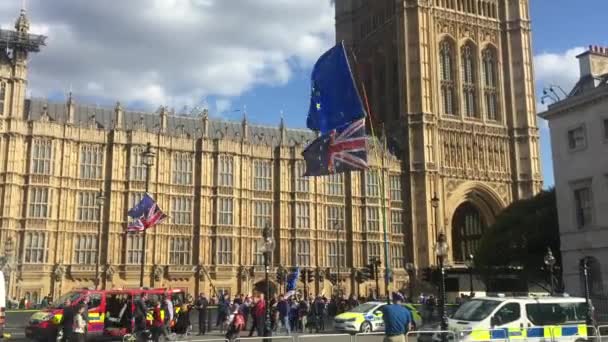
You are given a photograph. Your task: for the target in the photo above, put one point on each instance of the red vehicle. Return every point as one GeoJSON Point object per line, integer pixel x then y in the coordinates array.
{"type": "Point", "coordinates": [45, 324]}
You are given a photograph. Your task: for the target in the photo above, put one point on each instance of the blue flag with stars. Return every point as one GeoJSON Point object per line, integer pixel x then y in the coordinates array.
{"type": "Point", "coordinates": [334, 101]}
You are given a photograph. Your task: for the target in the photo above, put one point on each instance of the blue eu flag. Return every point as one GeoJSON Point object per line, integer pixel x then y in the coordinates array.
{"type": "Point", "coordinates": [334, 100]}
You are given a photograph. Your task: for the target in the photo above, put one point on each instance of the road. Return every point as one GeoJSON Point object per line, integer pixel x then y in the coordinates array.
{"type": "Point", "coordinates": [17, 320]}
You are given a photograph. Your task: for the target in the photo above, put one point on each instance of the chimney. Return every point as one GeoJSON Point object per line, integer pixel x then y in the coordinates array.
{"type": "Point", "coordinates": [593, 62]}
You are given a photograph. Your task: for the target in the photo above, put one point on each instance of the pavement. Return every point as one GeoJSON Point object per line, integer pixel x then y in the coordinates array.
{"type": "Point", "coordinates": [17, 320]}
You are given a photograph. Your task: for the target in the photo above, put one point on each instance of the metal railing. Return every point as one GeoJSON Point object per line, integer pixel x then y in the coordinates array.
{"type": "Point", "coordinates": [346, 337]}
{"type": "Point", "coordinates": [265, 338]}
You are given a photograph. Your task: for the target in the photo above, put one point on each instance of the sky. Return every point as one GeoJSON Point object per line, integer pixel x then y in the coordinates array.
{"type": "Point", "coordinates": [239, 56]}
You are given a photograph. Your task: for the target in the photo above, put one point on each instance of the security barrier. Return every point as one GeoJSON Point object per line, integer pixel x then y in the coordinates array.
{"type": "Point", "coordinates": [571, 332]}
{"type": "Point", "coordinates": [266, 338]}
{"type": "Point", "coordinates": [210, 340]}
{"type": "Point", "coordinates": [333, 337]}
{"type": "Point", "coordinates": [602, 333]}
{"type": "Point", "coordinates": [430, 335]}
{"type": "Point", "coordinates": [369, 337]}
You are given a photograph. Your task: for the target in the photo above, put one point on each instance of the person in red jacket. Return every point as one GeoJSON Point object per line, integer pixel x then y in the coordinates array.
{"type": "Point", "coordinates": [157, 321]}
{"type": "Point", "coordinates": [259, 314]}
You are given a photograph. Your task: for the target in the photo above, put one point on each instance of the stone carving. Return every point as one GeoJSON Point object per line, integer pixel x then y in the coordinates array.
{"type": "Point", "coordinates": [109, 271]}
{"type": "Point", "coordinates": [58, 272]}
{"type": "Point", "coordinates": [158, 272]}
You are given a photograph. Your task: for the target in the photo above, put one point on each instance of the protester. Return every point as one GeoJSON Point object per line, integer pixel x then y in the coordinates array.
{"type": "Point", "coordinates": [80, 325]}
{"type": "Point", "coordinates": [397, 321]}
{"type": "Point", "coordinates": [182, 325]}
{"type": "Point", "coordinates": [67, 321]}
{"type": "Point", "coordinates": [283, 309]}
{"type": "Point", "coordinates": [157, 322]}
{"type": "Point", "coordinates": [202, 305]}
{"type": "Point", "coordinates": [259, 313]}
{"type": "Point", "coordinates": [140, 314]}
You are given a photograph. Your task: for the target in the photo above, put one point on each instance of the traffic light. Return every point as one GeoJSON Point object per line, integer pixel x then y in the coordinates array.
{"type": "Point", "coordinates": [333, 279]}
{"type": "Point", "coordinates": [427, 274]}
{"type": "Point", "coordinates": [367, 273]}
{"type": "Point", "coordinates": [360, 277]}
{"type": "Point", "coordinates": [371, 270]}
{"type": "Point", "coordinates": [303, 275]}
{"type": "Point", "coordinates": [310, 276]}
{"type": "Point", "coordinates": [280, 277]}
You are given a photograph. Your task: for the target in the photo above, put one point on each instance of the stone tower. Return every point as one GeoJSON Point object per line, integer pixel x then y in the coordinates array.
{"type": "Point", "coordinates": [452, 81]}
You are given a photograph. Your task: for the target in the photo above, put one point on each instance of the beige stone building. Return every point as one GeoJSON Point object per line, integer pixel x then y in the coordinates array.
{"type": "Point", "coordinates": [450, 79]}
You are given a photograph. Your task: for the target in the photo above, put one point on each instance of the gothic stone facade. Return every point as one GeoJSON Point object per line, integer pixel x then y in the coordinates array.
{"type": "Point", "coordinates": [219, 182]}
{"type": "Point", "coordinates": [452, 83]}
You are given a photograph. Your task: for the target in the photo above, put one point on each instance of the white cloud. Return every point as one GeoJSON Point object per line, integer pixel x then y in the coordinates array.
{"type": "Point", "coordinates": [172, 51]}
{"type": "Point", "coordinates": [222, 105]}
{"type": "Point", "coordinates": [559, 69]}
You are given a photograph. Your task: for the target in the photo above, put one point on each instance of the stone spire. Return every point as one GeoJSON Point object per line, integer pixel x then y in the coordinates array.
{"type": "Point", "coordinates": [22, 25]}
{"type": "Point", "coordinates": [283, 129]}
{"type": "Point", "coordinates": [118, 116]}
{"type": "Point", "coordinates": [245, 127]}
{"type": "Point", "coordinates": [163, 118]}
{"type": "Point", "coordinates": [70, 109]}
{"type": "Point", "coordinates": [205, 118]}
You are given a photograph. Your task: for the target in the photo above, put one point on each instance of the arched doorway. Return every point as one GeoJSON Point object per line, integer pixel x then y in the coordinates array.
{"type": "Point", "coordinates": [261, 287]}
{"type": "Point", "coordinates": [468, 227]}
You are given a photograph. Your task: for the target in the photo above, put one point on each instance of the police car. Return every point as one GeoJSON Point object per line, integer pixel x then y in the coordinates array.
{"type": "Point", "coordinates": [503, 318]}
{"type": "Point", "coordinates": [367, 317]}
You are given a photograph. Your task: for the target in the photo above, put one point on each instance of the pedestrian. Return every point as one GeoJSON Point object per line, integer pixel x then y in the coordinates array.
{"type": "Point", "coordinates": [259, 313]}
{"type": "Point", "coordinates": [79, 325]}
{"type": "Point", "coordinates": [167, 306]}
{"type": "Point", "coordinates": [254, 302]}
{"type": "Point", "coordinates": [318, 307]}
{"type": "Point", "coordinates": [222, 311]}
{"type": "Point", "coordinates": [202, 305]}
{"type": "Point", "coordinates": [283, 309]}
{"type": "Point", "coordinates": [397, 321]}
{"type": "Point", "coordinates": [67, 321]}
{"type": "Point", "coordinates": [157, 321]}
{"type": "Point", "coordinates": [140, 315]}
{"type": "Point", "coordinates": [182, 324]}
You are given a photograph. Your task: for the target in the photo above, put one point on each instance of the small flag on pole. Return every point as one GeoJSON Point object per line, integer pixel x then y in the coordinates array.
{"type": "Point", "coordinates": [292, 280]}
{"type": "Point", "coordinates": [146, 214]}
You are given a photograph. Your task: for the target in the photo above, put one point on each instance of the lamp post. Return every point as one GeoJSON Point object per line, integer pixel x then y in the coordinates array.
{"type": "Point", "coordinates": [100, 200]}
{"type": "Point", "coordinates": [470, 262]}
{"type": "Point", "coordinates": [550, 262]}
{"type": "Point", "coordinates": [409, 268]}
{"type": "Point", "coordinates": [435, 205]}
{"type": "Point", "coordinates": [441, 251]}
{"type": "Point", "coordinates": [338, 280]}
{"type": "Point", "coordinates": [590, 311]}
{"type": "Point", "coordinates": [148, 162]}
{"type": "Point", "coordinates": [267, 250]}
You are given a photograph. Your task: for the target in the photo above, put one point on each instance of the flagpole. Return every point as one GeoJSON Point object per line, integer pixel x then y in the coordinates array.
{"type": "Point", "coordinates": [384, 228]}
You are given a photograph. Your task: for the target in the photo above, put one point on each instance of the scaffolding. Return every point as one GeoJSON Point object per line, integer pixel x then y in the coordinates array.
{"type": "Point", "coordinates": [17, 40]}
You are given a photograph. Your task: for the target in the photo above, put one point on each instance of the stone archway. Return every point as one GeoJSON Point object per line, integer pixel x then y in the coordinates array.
{"type": "Point", "coordinates": [471, 208]}
{"type": "Point", "coordinates": [261, 287]}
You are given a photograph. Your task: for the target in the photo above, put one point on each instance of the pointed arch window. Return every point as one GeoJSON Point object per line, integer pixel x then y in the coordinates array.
{"type": "Point", "coordinates": [448, 93]}
{"type": "Point", "coordinates": [469, 92]}
{"type": "Point", "coordinates": [490, 84]}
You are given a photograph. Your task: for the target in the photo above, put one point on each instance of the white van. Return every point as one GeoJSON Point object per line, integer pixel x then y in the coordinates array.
{"type": "Point", "coordinates": [2, 304]}
{"type": "Point", "coordinates": [523, 318]}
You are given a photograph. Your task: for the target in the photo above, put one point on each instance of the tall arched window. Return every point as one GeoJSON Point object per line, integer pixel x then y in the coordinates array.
{"type": "Point", "coordinates": [490, 84]}
{"type": "Point", "coordinates": [469, 92]}
{"type": "Point", "coordinates": [467, 229]}
{"type": "Point", "coordinates": [448, 94]}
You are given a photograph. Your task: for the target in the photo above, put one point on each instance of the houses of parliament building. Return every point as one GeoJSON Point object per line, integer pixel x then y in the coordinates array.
{"type": "Point", "coordinates": [451, 80]}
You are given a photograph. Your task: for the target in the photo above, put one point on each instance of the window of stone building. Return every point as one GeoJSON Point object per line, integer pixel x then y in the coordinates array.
{"type": "Point", "coordinates": [224, 211]}
{"type": "Point", "coordinates": [224, 251]}
{"type": "Point", "coordinates": [576, 138]}
{"type": "Point", "coordinates": [396, 221]}
{"type": "Point", "coordinates": [605, 129]}
{"type": "Point", "coordinates": [334, 185]}
{"type": "Point", "coordinates": [469, 91]}
{"type": "Point", "coordinates": [446, 64]}
{"type": "Point", "coordinates": [373, 250]}
{"type": "Point", "coordinates": [395, 187]}
{"type": "Point", "coordinates": [138, 169]}
{"type": "Point", "coordinates": [181, 210]}
{"type": "Point", "coordinates": [303, 253]}
{"type": "Point", "coordinates": [182, 168]}
{"type": "Point", "coordinates": [335, 217]}
{"type": "Point", "coordinates": [372, 183]}
{"type": "Point", "coordinates": [302, 183]}
{"type": "Point", "coordinates": [258, 255]}
{"type": "Point", "coordinates": [397, 260]}
{"type": "Point", "coordinates": [91, 161]}
{"type": "Point", "coordinates": [490, 89]}
{"type": "Point", "coordinates": [85, 249]}
{"type": "Point", "coordinates": [87, 208]}
{"type": "Point", "coordinates": [372, 219]}
{"type": "Point", "coordinates": [40, 202]}
{"type": "Point", "coordinates": [334, 254]}
{"type": "Point", "coordinates": [2, 97]}
{"type": "Point", "coordinates": [35, 248]}
{"type": "Point", "coordinates": [226, 170]}
{"type": "Point", "coordinates": [583, 206]}
{"type": "Point", "coordinates": [302, 215]}
{"type": "Point", "coordinates": [262, 175]}
{"type": "Point", "coordinates": [135, 245]}
{"type": "Point", "coordinates": [179, 250]}
{"type": "Point", "coordinates": [262, 213]}
{"type": "Point", "coordinates": [42, 157]}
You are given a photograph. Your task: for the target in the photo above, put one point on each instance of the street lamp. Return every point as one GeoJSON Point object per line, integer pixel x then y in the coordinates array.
{"type": "Point", "coordinates": [148, 162]}
{"type": "Point", "coordinates": [550, 262]}
{"type": "Point", "coordinates": [470, 262]}
{"type": "Point", "coordinates": [100, 200]}
{"type": "Point", "coordinates": [441, 251]}
{"type": "Point", "coordinates": [410, 268]}
{"type": "Point", "coordinates": [435, 205]}
{"type": "Point", "coordinates": [267, 250]}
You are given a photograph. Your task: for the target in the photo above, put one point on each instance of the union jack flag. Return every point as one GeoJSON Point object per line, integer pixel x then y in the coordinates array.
{"type": "Point", "coordinates": [146, 214]}
{"type": "Point", "coordinates": [341, 150]}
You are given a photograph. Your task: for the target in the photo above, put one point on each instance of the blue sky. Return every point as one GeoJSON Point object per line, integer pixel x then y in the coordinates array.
{"type": "Point", "coordinates": [258, 56]}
